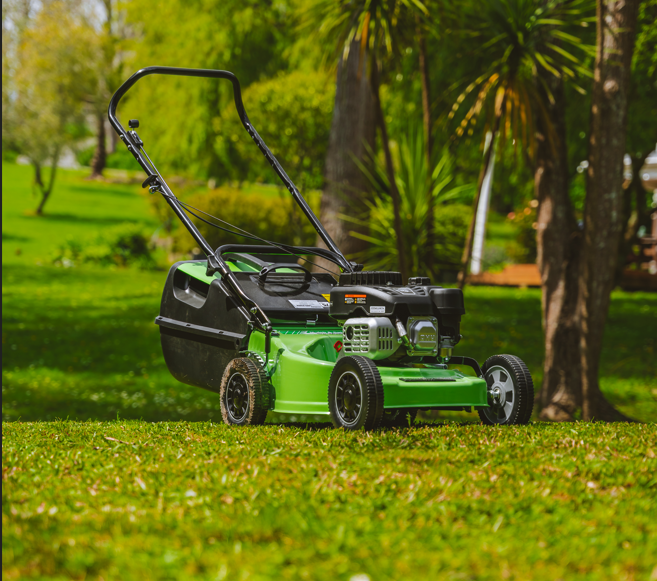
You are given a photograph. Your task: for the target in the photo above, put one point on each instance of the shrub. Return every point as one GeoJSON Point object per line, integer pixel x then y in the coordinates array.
{"type": "Point", "coordinates": [274, 217]}
{"type": "Point", "coordinates": [123, 245]}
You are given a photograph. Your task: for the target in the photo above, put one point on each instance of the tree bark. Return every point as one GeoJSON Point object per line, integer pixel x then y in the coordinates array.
{"type": "Point", "coordinates": [390, 170]}
{"type": "Point", "coordinates": [46, 190]}
{"type": "Point", "coordinates": [603, 210]}
{"type": "Point", "coordinates": [467, 250]}
{"type": "Point", "coordinates": [428, 140]}
{"type": "Point", "coordinates": [100, 155]}
{"type": "Point", "coordinates": [558, 245]}
{"type": "Point", "coordinates": [352, 133]}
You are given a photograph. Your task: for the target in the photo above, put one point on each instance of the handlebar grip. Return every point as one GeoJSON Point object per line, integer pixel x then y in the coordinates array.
{"type": "Point", "coordinates": [307, 275]}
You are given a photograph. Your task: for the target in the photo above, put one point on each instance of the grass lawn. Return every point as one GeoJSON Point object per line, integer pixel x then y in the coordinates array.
{"type": "Point", "coordinates": [177, 500]}
{"type": "Point", "coordinates": [188, 498]}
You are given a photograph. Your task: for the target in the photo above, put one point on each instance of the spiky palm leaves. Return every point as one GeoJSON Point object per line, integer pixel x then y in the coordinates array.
{"type": "Point", "coordinates": [420, 186]}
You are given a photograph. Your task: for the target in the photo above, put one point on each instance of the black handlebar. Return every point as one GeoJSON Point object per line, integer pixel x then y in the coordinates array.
{"type": "Point", "coordinates": [175, 71]}
{"type": "Point", "coordinates": [129, 138]}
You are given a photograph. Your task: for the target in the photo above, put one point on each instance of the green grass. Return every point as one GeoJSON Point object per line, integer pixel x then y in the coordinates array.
{"type": "Point", "coordinates": [445, 500]}
{"type": "Point", "coordinates": [135, 500]}
{"type": "Point", "coordinates": [76, 208]}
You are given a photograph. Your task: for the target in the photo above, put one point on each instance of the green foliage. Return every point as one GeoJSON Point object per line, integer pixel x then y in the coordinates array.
{"type": "Point", "coordinates": [84, 155]}
{"type": "Point", "coordinates": [120, 159]}
{"type": "Point", "coordinates": [292, 113]}
{"type": "Point", "coordinates": [122, 245]}
{"type": "Point", "coordinates": [523, 249]}
{"type": "Point", "coordinates": [274, 217]}
{"type": "Point", "coordinates": [177, 114]}
{"type": "Point", "coordinates": [135, 500]}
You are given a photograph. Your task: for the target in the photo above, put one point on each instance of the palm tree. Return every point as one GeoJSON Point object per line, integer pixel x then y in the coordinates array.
{"type": "Point", "coordinates": [512, 46]}
{"type": "Point", "coordinates": [379, 28]}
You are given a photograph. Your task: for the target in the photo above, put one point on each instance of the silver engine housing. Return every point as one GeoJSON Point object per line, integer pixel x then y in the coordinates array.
{"type": "Point", "coordinates": [372, 337]}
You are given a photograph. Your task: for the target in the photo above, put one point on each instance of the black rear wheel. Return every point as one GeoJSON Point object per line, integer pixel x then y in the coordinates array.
{"type": "Point", "coordinates": [244, 393]}
{"type": "Point", "coordinates": [510, 391]}
{"type": "Point", "coordinates": [356, 394]}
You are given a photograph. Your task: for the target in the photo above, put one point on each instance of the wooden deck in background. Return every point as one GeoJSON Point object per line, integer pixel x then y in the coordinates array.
{"type": "Point", "coordinates": [527, 275]}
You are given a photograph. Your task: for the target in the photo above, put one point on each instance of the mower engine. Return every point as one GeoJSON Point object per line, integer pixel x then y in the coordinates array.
{"type": "Point", "coordinates": [384, 319]}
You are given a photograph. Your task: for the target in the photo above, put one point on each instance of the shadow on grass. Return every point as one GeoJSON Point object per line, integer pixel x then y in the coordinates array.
{"type": "Point", "coordinates": [14, 238]}
{"type": "Point", "coordinates": [66, 218]}
{"type": "Point", "coordinates": [107, 188]}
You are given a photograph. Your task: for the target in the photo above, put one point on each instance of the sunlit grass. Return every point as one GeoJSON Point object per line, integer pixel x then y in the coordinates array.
{"type": "Point", "coordinates": [135, 500]}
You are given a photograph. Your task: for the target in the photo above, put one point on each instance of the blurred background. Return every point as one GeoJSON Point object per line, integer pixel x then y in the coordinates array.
{"type": "Point", "coordinates": [422, 133]}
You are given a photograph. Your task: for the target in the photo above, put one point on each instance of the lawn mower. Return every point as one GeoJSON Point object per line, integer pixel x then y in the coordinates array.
{"type": "Point", "coordinates": [253, 324]}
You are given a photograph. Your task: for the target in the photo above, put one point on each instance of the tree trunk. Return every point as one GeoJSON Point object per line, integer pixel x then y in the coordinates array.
{"type": "Point", "coordinates": [390, 170]}
{"type": "Point", "coordinates": [46, 190]}
{"type": "Point", "coordinates": [352, 133]}
{"type": "Point", "coordinates": [38, 179]}
{"type": "Point", "coordinates": [558, 244]}
{"type": "Point", "coordinates": [604, 191]}
{"type": "Point", "coordinates": [100, 155]}
{"type": "Point", "coordinates": [467, 250]}
{"type": "Point", "coordinates": [426, 121]}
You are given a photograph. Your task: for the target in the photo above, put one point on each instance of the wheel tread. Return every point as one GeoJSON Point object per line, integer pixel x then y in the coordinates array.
{"type": "Point", "coordinates": [524, 393]}
{"type": "Point", "coordinates": [373, 388]}
{"type": "Point", "coordinates": [259, 392]}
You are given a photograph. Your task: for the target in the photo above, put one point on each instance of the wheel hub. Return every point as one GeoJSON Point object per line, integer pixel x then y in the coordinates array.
{"type": "Point", "coordinates": [501, 396]}
{"type": "Point", "coordinates": [497, 395]}
{"type": "Point", "coordinates": [348, 397]}
{"type": "Point", "coordinates": [237, 397]}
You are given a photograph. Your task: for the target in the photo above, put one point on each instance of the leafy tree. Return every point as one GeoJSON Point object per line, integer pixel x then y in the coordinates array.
{"type": "Point", "coordinates": [54, 72]}
{"type": "Point", "coordinates": [292, 113]}
{"type": "Point", "coordinates": [248, 37]}
{"type": "Point", "coordinates": [513, 47]}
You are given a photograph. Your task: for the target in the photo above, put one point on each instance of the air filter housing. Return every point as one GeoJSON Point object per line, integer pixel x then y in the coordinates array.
{"type": "Point", "coordinates": [373, 337]}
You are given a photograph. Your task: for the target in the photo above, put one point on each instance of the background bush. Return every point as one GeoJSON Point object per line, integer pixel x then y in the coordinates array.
{"type": "Point", "coordinates": [120, 159]}
{"type": "Point", "coordinates": [274, 217]}
{"type": "Point", "coordinates": [123, 245]}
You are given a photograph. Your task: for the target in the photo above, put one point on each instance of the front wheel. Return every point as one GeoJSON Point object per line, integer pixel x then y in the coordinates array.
{"type": "Point", "coordinates": [355, 394]}
{"type": "Point", "coordinates": [510, 391]}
